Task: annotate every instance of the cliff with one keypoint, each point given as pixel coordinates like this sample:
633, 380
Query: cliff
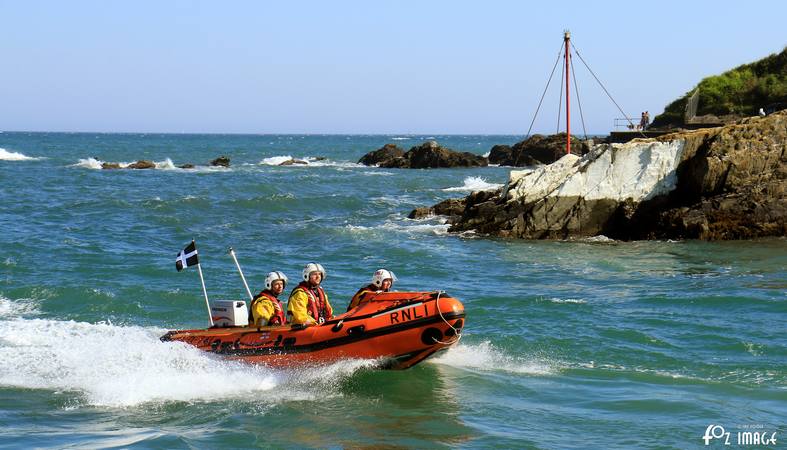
736, 93
720, 183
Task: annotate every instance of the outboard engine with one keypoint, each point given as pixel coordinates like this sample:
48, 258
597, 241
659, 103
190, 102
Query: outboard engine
229, 313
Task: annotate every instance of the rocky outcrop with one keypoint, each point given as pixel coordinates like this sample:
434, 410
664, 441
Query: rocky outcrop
292, 162
721, 183
452, 208
221, 161
500, 154
428, 155
535, 150
142, 164
383, 154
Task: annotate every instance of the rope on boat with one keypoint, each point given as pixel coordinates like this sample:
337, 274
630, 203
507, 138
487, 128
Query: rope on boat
457, 332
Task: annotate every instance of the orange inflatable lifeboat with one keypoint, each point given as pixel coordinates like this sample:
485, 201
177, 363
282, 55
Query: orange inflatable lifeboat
399, 329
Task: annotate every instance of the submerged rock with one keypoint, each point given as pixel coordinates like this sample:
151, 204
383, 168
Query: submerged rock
110, 165
186, 166
722, 183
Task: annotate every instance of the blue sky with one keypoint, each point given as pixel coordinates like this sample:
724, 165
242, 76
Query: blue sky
358, 66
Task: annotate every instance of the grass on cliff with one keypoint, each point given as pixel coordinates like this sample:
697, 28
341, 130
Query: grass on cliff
740, 91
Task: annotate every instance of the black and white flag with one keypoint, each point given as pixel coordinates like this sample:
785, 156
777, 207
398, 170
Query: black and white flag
187, 257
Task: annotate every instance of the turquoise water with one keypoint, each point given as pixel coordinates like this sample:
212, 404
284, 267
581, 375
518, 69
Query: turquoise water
588, 344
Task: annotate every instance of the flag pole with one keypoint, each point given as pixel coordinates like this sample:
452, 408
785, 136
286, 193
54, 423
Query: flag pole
205, 292
245, 284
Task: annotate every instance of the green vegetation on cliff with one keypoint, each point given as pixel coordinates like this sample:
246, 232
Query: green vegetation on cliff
741, 91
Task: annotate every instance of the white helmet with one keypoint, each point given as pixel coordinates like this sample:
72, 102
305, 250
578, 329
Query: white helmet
313, 267
273, 276
382, 274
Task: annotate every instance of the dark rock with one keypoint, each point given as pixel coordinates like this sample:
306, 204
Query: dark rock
142, 164
453, 208
385, 153
320, 158
421, 212
221, 161
540, 149
110, 165
431, 155
186, 166
500, 154
291, 162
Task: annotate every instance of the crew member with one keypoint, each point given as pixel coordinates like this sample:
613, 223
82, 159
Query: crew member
382, 280
266, 309
308, 301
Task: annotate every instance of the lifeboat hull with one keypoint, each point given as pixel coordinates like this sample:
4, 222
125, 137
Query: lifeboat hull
398, 329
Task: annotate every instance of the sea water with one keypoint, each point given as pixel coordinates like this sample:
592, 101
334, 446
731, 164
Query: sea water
590, 343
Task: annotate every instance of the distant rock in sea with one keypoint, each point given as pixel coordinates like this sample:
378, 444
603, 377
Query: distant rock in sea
720, 183
142, 164
293, 161
428, 155
386, 153
221, 161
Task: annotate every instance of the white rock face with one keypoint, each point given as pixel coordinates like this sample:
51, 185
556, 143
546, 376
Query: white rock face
634, 170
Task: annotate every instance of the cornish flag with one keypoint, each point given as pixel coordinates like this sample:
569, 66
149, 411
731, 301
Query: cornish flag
187, 257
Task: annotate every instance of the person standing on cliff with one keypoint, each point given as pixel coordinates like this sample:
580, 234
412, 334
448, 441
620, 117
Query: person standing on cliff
646, 119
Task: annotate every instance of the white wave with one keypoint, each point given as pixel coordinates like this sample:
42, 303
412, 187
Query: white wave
121, 366
275, 160
473, 184
167, 164
576, 301
5, 155
597, 239
400, 138
311, 161
486, 155
17, 308
89, 163
487, 357
408, 227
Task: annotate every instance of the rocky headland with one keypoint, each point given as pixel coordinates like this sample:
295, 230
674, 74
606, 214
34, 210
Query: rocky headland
716, 183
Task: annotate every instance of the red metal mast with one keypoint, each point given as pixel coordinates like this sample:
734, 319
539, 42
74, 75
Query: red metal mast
567, 38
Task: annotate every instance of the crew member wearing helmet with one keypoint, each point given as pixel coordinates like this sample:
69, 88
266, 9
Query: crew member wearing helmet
266, 309
308, 301
382, 280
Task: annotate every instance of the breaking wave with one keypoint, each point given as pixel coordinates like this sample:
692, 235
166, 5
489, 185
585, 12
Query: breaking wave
166, 164
472, 184
5, 155
308, 161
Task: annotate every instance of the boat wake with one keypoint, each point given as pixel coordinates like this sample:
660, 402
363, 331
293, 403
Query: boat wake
122, 366
488, 358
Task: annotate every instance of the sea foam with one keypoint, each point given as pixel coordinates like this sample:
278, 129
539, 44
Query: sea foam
486, 357
6, 155
472, 184
121, 366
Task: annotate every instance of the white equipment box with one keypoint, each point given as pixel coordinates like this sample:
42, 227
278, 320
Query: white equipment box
229, 313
